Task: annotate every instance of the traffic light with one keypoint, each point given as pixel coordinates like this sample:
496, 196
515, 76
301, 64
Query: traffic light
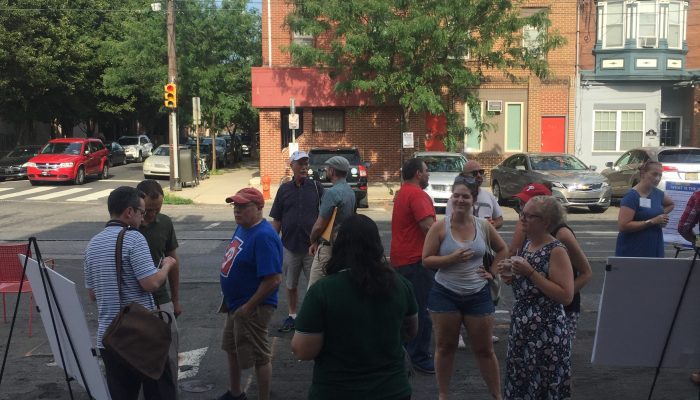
170, 95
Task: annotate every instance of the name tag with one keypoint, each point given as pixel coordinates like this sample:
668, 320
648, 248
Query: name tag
646, 203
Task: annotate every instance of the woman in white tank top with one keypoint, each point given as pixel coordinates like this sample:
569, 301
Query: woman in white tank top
460, 296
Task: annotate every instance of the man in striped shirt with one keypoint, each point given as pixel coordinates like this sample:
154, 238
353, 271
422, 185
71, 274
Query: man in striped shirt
139, 279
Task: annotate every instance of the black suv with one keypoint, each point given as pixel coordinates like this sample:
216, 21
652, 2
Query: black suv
357, 175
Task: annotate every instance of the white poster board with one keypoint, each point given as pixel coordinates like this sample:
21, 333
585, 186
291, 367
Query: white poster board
679, 192
75, 327
636, 309
408, 140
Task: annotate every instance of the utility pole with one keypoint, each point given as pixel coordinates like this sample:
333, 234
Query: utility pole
175, 184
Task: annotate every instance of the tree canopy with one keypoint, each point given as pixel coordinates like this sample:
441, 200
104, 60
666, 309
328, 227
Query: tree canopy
420, 55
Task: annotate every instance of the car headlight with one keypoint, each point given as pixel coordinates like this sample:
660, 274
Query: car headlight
65, 165
29, 164
559, 185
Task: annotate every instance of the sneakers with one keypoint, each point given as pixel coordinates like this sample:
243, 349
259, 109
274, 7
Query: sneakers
287, 325
425, 367
229, 396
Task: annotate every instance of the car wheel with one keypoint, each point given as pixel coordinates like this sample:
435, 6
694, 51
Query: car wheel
105, 172
35, 183
140, 157
2, 179
80, 176
496, 190
598, 209
124, 162
363, 202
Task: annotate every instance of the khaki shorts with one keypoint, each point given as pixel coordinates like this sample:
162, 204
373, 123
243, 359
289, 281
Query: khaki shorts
292, 266
246, 337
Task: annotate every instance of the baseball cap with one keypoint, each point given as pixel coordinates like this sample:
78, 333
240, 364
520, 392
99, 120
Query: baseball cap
298, 155
339, 163
531, 190
247, 195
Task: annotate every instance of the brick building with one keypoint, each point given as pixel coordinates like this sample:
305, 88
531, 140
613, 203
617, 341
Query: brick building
532, 116
640, 65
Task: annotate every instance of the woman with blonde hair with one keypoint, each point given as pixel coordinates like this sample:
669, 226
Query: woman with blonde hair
538, 364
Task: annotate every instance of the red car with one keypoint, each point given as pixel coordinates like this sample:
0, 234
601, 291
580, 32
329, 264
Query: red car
69, 159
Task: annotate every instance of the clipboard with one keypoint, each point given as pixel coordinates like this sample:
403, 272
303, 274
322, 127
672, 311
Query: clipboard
328, 232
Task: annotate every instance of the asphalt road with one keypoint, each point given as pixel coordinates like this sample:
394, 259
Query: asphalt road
64, 227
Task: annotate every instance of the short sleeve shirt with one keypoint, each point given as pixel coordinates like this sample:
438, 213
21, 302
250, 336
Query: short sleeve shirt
648, 242
411, 206
161, 238
253, 254
371, 363
296, 207
100, 270
340, 196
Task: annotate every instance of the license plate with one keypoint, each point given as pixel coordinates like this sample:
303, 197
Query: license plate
44, 173
691, 176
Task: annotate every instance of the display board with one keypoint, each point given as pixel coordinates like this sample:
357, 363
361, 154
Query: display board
636, 309
679, 192
74, 326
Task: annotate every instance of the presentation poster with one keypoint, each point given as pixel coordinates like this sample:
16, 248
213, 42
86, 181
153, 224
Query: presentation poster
679, 192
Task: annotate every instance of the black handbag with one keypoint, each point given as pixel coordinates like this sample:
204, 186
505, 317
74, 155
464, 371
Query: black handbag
138, 337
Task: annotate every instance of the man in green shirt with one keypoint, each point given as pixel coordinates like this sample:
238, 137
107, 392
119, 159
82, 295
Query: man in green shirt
159, 232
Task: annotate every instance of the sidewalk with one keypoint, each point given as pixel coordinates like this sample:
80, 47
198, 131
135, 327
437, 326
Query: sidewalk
217, 188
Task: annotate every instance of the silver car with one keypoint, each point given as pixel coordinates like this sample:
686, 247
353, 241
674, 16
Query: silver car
443, 168
573, 183
680, 164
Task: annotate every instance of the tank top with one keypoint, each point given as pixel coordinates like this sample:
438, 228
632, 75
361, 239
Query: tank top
462, 278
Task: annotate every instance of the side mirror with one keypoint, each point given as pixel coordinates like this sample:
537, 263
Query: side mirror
609, 164
592, 167
87, 152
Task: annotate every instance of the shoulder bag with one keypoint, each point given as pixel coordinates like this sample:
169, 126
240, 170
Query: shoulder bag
495, 283
140, 338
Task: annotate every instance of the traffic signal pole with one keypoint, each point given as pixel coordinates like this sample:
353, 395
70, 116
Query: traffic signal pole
175, 184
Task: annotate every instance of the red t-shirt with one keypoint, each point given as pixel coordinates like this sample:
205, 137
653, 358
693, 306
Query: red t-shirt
411, 205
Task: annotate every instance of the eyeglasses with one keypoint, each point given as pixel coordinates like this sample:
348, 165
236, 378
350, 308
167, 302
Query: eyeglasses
477, 172
524, 215
140, 210
240, 206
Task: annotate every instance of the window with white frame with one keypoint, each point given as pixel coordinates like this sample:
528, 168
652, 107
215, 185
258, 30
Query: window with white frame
618, 130
675, 18
531, 40
614, 33
329, 120
647, 33
649, 20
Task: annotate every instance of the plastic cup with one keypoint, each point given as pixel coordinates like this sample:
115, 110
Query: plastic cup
507, 268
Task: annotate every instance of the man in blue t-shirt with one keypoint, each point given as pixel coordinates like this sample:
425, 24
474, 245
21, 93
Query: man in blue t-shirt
251, 273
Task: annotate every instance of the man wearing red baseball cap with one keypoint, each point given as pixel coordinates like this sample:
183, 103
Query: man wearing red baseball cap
251, 273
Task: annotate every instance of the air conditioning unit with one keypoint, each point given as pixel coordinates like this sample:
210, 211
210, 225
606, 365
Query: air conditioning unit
494, 106
648, 42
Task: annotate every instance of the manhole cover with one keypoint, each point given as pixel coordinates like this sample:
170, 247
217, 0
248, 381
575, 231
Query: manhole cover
196, 386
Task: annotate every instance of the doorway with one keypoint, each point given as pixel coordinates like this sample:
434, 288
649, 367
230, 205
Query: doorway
553, 134
669, 131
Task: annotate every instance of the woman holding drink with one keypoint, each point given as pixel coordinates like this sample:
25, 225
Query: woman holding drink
460, 296
538, 364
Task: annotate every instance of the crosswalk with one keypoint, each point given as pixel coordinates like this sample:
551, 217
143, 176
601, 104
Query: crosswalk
55, 193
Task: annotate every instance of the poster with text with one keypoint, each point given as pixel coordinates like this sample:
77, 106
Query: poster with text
679, 192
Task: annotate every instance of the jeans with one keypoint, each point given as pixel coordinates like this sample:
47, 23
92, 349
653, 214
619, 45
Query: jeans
422, 279
124, 383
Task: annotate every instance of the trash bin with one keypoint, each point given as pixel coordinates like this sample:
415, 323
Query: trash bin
188, 172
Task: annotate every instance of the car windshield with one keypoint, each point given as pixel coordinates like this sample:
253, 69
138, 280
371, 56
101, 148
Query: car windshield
556, 163
128, 141
320, 158
62, 148
687, 156
444, 163
23, 152
162, 151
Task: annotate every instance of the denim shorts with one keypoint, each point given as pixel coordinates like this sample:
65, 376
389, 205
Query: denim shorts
443, 300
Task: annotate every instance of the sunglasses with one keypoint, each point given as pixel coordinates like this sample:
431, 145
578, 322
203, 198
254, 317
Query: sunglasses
477, 172
465, 180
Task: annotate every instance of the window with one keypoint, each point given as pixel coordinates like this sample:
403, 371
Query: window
303, 39
514, 126
618, 130
674, 25
647, 33
473, 140
329, 121
613, 34
531, 41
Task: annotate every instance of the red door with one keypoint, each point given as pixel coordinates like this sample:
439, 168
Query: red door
553, 134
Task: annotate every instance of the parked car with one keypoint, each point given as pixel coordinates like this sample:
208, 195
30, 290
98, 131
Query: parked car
357, 175
680, 164
236, 147
158, 164
223, 155
248, 143
117, 155
573, 182
14, 164
136, 147
69, 159
444, 168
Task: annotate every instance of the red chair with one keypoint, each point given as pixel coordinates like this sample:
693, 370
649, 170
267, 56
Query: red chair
11, 274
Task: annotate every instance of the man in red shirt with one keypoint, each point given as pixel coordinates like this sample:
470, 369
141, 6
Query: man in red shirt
412, 217
690, 218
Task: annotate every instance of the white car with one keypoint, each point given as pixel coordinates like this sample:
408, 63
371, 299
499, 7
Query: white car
136, 147
158, 164
444, 168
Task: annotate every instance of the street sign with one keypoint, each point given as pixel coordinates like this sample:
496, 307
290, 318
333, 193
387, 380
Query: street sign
293, 121
408, 140
196, 111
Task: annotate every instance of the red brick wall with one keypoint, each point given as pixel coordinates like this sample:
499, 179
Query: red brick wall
692, 59
695, 129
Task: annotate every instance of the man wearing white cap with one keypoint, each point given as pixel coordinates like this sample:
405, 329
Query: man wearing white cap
293, 213
339, 197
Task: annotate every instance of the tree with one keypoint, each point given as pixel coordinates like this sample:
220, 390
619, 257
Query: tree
420, 55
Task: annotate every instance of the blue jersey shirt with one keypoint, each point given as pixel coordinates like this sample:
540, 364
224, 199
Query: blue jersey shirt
253, 254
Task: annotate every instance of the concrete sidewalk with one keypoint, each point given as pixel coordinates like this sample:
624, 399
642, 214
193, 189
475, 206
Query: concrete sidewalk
228, 181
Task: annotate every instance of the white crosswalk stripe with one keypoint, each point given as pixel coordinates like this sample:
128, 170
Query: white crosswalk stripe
92, 196
62, 193
25, 192
4, 189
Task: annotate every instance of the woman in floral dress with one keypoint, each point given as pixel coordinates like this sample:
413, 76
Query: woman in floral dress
538, 365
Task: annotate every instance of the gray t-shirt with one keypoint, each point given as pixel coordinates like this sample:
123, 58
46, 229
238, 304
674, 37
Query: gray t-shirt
342, 197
